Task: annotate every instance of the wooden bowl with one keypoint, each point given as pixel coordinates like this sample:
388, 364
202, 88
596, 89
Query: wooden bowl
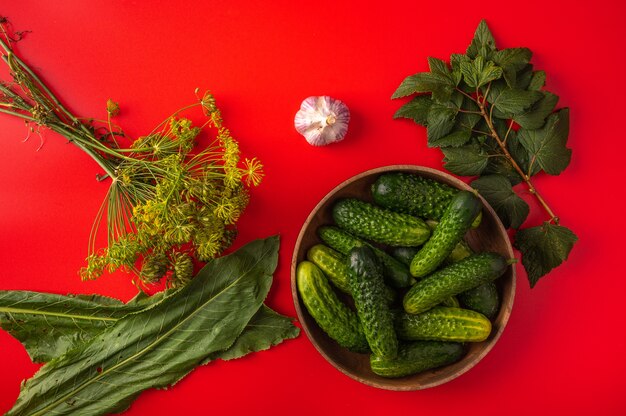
489, 236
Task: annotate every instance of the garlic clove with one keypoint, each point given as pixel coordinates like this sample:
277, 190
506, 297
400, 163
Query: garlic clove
322, 120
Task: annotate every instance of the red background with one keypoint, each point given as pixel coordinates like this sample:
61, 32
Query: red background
563, 350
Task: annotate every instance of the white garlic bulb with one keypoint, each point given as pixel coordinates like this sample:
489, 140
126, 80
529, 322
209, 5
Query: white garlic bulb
322, 120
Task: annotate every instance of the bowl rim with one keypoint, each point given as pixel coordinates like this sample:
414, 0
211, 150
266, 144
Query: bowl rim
458, 184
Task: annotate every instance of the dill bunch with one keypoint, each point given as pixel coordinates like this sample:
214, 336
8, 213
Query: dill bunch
168, 202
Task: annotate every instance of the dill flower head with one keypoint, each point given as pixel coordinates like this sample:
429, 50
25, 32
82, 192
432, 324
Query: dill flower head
154, 267
168, 204
113, 108
183, 269
252, 171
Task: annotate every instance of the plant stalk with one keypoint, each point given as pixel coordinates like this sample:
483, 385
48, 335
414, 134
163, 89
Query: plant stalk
94, 155
525, 177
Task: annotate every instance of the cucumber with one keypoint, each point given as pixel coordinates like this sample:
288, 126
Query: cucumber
334, 317
404, 254
334, 266
382, 226
484, 299
338, 239
412, 194
449, 232
459, 252
366, 284
443, 324
395, 273
416, 357
477, 220
467, 274
415, 195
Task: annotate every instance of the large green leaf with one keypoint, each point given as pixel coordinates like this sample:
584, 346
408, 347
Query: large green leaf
535, 116
512, 60
524, 77
158, 346
412, 84
266, 329
440, 122
457, 137
544, 248
483, 43
497, 190
547, 146
48, 324
466, 160
438, 66
537, 81
510, 101
479, 72
440, 72
521, 155
416, 109
440, 85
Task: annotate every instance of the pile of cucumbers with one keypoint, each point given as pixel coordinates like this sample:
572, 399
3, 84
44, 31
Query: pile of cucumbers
395, 279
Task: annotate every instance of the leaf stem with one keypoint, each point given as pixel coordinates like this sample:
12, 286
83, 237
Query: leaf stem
525, 177
465, 94
486, 93
506, 136
484, 133
460, 110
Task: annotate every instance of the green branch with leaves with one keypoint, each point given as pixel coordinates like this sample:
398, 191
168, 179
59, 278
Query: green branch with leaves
488, 112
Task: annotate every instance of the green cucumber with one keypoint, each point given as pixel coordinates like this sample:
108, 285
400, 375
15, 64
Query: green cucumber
469, 273
404, 254
334, 317
416, 357
376, 224
395, 273
484, 299
477, 220
449, 232
415, 195
338, 239
443, 324
334, 266
412, 194
366, 284
459, 252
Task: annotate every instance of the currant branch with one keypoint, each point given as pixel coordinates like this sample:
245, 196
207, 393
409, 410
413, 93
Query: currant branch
486, 113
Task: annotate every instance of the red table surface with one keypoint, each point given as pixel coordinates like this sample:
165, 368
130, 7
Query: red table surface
563, 349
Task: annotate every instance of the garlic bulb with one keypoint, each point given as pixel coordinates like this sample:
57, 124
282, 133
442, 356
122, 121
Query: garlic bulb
322, 120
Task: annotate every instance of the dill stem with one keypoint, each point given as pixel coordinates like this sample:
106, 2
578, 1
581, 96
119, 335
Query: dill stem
79, 141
